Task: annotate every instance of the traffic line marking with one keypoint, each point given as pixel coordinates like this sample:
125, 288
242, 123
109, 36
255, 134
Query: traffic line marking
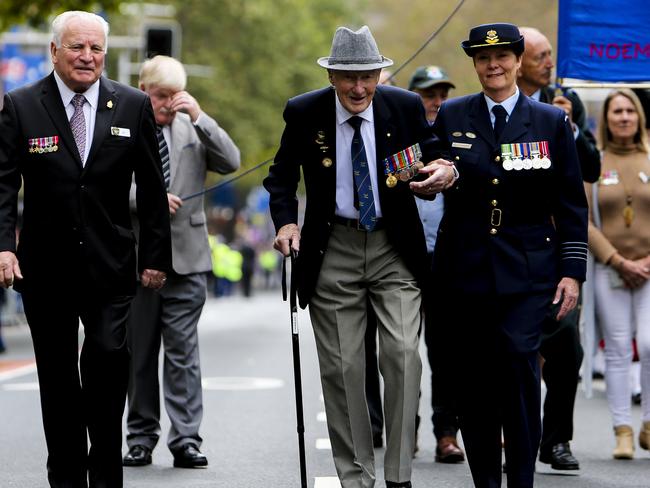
323, 443
14, 369
327, 482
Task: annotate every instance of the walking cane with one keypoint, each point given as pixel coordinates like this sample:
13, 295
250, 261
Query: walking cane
296, 361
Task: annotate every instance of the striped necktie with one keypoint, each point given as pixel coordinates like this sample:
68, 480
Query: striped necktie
164, 155
362, 183
78, 124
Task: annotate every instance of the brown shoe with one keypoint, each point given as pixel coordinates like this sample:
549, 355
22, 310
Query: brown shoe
447, 451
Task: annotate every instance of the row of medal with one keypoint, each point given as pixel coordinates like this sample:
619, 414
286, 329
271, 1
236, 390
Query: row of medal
525, 155
42, 145
403, 165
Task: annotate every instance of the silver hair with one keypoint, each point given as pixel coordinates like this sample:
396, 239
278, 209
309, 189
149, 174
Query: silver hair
60, 22
164, 72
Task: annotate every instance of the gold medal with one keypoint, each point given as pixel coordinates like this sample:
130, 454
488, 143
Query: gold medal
391, 181
327, 162
403, 175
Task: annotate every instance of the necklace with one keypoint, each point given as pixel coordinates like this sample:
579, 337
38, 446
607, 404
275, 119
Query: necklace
628, 211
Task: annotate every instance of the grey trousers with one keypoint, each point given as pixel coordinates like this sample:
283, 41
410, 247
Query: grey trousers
359, 266
171, 314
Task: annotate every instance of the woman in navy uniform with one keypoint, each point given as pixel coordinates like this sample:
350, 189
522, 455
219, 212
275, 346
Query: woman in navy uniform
511, 245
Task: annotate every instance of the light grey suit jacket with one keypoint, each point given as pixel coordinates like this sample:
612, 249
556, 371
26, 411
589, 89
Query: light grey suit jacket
195, 150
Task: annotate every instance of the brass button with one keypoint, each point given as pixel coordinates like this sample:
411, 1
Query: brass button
494, 203
548, 239
493, 231
497, 159
495, 181
457, 158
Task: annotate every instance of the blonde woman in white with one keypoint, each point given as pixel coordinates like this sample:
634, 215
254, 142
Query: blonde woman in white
619, 238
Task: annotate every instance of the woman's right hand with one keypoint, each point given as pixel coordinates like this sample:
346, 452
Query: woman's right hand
634, 273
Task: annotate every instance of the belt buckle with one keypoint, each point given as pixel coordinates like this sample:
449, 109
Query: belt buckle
495, 217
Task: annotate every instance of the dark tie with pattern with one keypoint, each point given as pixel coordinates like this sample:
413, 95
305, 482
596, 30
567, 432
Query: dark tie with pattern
164, 155
362, 184
500, 115
78, 124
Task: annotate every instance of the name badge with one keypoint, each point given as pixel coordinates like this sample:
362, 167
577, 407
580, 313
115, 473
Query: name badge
461, 145
121, 131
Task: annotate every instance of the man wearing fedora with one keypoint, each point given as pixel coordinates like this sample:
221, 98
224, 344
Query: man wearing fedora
362, 241
511, 249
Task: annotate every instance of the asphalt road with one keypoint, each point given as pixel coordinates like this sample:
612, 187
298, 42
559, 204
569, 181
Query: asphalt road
249, 425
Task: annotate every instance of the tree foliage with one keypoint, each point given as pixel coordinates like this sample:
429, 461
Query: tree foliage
37, 12
263, 52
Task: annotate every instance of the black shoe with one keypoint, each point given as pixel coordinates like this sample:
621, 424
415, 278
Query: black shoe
138, 455
189, 456
560, 457
403, 484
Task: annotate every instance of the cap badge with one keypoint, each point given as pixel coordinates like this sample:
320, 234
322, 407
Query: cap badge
491, 37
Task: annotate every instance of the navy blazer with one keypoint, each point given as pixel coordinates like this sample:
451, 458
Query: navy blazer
509, 232
76, 218
399, 122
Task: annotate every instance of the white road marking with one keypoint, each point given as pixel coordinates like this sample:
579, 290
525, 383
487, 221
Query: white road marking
237, 383
21, 387
17, 372
323, 443
327, 482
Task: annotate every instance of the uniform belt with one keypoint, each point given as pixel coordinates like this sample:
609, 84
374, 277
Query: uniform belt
355, 224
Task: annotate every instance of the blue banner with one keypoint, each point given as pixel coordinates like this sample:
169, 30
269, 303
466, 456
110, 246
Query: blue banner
604, 40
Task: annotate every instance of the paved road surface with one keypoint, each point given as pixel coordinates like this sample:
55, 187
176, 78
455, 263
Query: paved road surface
249, 422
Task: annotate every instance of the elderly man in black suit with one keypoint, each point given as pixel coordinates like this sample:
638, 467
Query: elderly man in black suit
76, 139
512, 243
361, 240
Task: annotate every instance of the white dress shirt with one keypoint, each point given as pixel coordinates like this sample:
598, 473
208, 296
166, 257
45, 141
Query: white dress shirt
509, 104
344, 176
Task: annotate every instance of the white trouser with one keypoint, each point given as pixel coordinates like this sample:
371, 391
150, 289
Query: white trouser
622, 312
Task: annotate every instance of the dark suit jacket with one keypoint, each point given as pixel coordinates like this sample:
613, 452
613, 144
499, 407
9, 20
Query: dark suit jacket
588, 153
76, 220
399, 122
542, 232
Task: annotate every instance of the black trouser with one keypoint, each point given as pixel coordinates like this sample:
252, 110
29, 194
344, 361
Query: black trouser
442, 352
498, 381
562, 353
92, 407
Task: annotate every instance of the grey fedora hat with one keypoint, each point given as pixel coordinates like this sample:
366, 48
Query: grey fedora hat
354, 51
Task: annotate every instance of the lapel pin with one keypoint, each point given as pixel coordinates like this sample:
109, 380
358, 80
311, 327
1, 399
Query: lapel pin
456, 134
471, 135
109, 104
